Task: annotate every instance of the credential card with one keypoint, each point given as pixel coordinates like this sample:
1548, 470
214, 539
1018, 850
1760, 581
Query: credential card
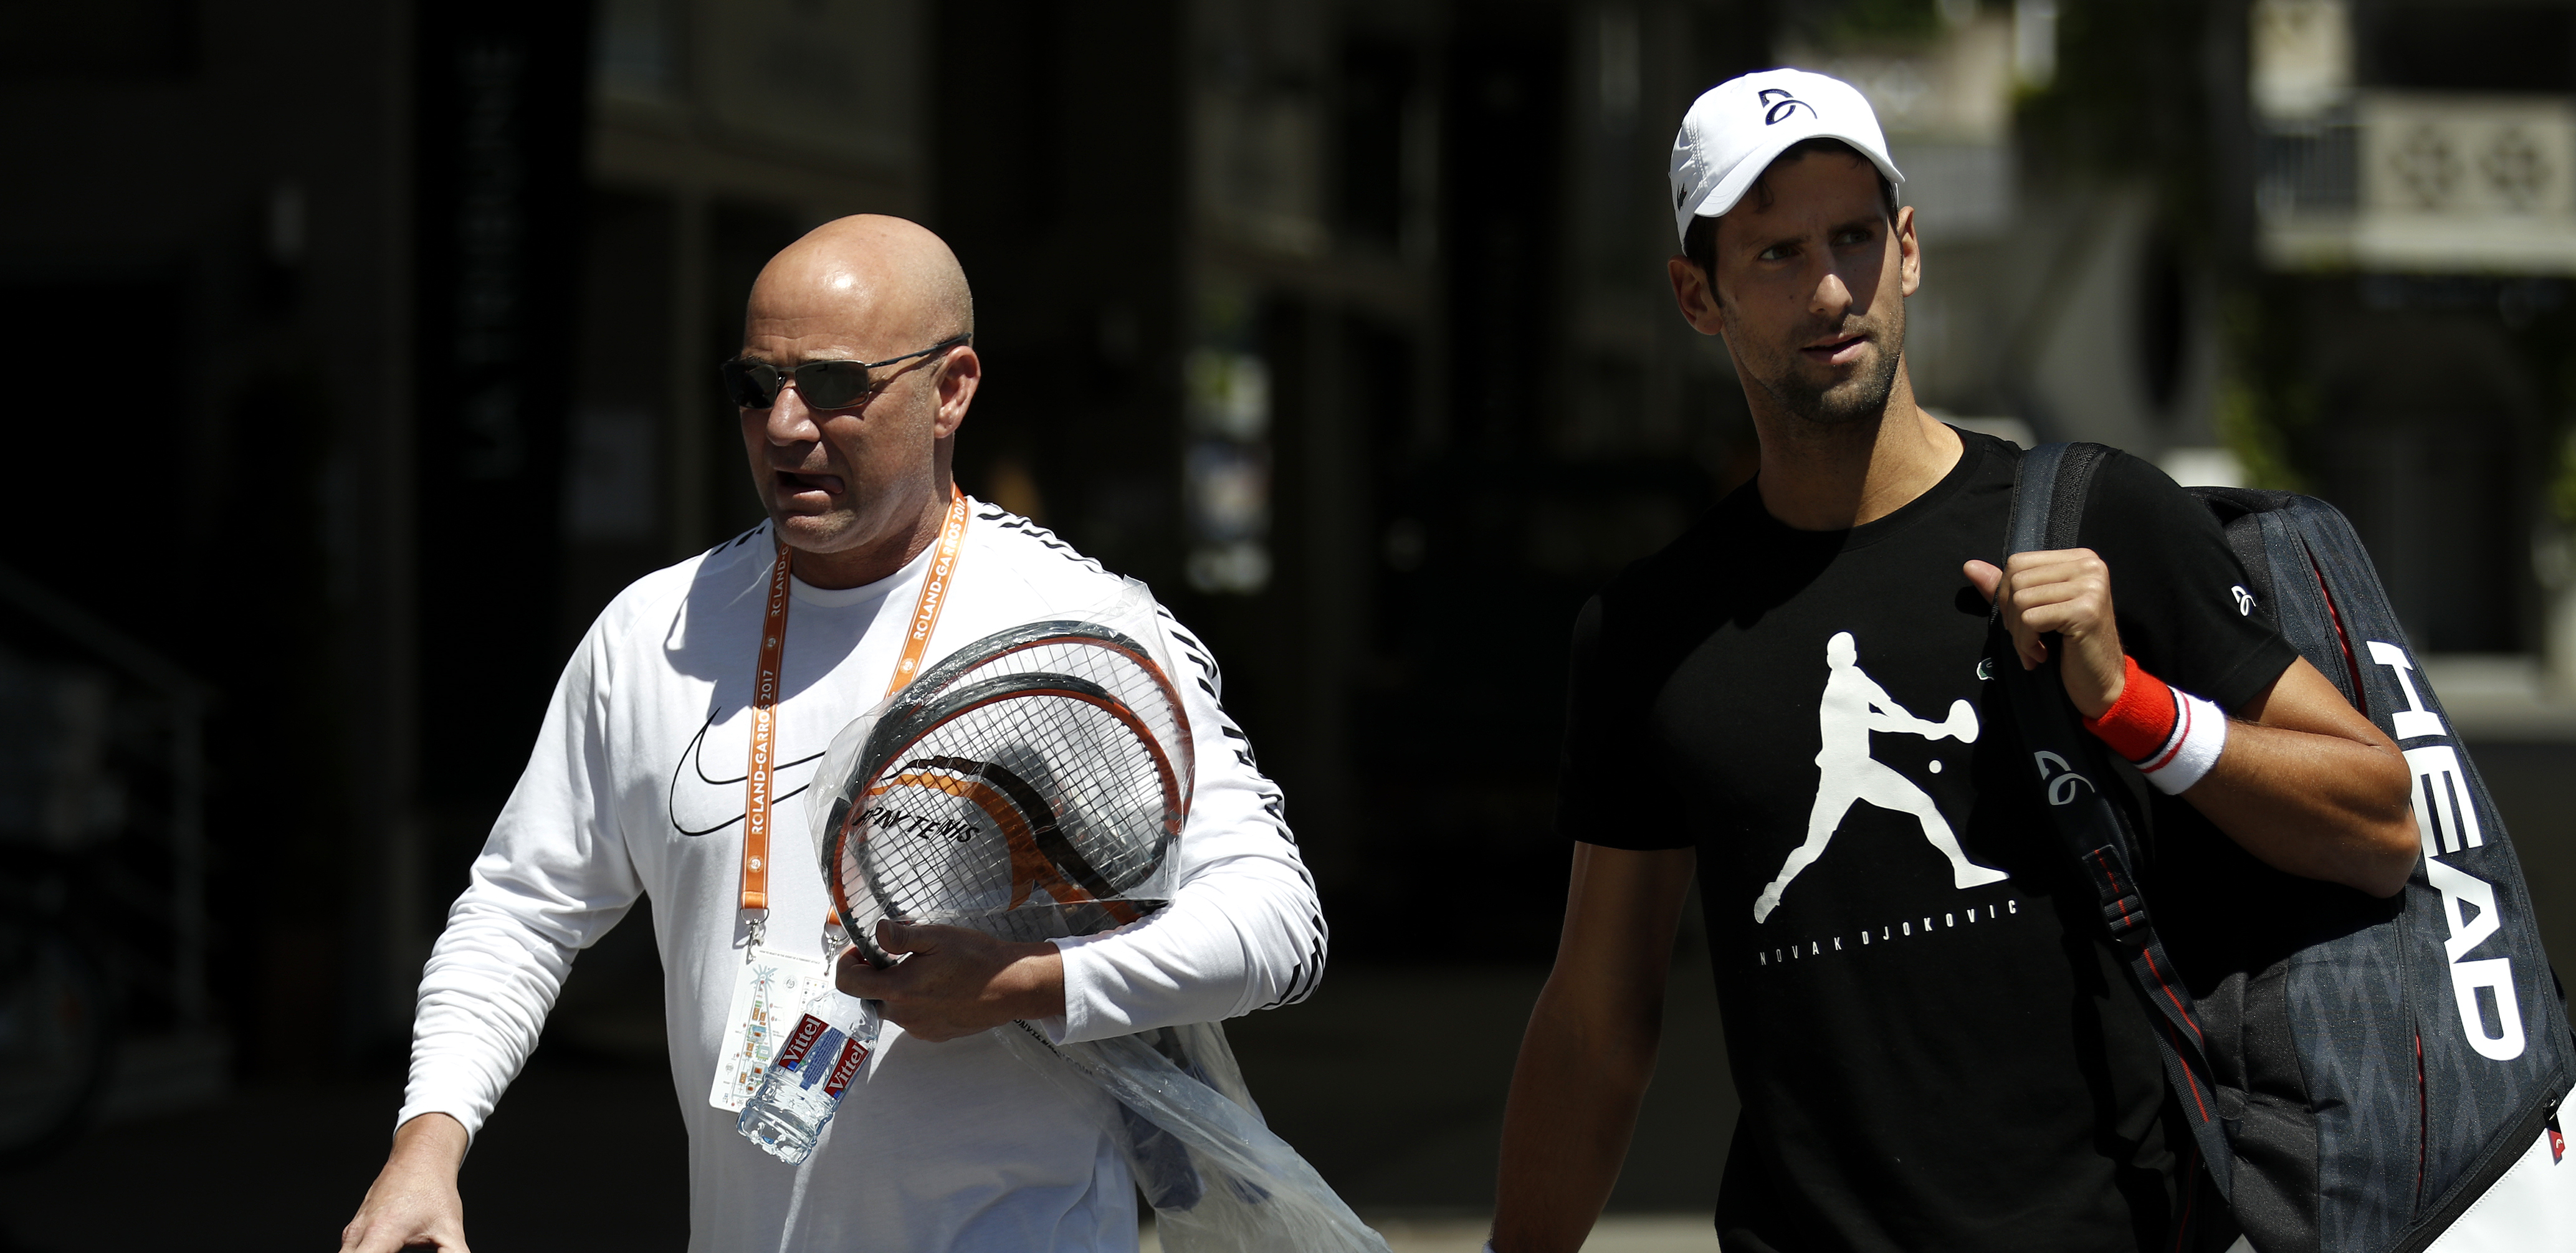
769, 995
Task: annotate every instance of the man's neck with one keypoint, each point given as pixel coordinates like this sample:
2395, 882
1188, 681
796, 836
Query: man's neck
868, 562
1830, 478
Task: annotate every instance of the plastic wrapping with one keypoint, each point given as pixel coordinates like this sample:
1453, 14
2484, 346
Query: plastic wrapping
1033, 785
1219, 1180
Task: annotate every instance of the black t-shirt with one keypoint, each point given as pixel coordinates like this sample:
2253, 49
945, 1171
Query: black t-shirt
1935, 1047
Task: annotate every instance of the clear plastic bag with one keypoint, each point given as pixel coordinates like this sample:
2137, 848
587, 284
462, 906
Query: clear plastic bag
1219, 1179
1114, 649
1172, 1099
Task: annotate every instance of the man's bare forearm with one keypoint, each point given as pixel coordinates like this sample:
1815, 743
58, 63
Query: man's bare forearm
1590, 1048
2310, 787
1573, 1107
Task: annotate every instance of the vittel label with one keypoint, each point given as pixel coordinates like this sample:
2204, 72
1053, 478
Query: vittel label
801, 1041
845, 1067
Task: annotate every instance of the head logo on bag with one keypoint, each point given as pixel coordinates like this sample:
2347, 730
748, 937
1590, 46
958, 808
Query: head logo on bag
2446, 817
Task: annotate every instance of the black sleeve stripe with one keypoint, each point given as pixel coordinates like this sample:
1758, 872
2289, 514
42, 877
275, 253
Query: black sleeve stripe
1273, 806
1302, 978
1008, 521
1296, 977
1306, 975
1313, 974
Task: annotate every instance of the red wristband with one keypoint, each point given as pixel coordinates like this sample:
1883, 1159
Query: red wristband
2140, 724
2170, 735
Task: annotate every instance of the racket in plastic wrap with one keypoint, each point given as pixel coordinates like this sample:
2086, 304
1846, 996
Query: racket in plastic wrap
1026, 805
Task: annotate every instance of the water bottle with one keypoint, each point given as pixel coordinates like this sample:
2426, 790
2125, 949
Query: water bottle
826, 1052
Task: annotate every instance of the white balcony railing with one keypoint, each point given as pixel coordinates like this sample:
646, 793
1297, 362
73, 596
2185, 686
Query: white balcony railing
2424, 182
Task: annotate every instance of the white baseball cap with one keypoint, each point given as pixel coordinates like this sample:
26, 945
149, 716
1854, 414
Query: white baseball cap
1734, 131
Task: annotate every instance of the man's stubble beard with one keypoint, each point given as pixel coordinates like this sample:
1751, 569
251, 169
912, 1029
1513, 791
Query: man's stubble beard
1838, 407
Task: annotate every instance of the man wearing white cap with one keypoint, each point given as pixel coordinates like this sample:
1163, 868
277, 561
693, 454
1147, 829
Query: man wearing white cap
1935, 1045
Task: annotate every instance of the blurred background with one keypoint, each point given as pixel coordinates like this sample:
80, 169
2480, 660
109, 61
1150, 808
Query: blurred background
385, 337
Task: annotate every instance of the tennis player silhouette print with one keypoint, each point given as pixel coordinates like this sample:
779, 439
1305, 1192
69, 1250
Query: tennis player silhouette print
1853, 706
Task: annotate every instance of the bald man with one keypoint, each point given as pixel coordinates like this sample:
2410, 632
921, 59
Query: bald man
856, 372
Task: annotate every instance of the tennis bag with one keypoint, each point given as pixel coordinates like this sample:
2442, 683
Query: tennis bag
2392, 1084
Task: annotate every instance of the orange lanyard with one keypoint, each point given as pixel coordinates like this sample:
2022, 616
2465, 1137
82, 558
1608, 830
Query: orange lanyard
764, 690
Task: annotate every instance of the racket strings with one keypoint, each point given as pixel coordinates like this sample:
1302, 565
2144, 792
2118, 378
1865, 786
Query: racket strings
1019, 816
1136, 683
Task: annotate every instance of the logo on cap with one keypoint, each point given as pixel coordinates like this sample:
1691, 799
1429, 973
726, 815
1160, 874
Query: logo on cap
1787, 104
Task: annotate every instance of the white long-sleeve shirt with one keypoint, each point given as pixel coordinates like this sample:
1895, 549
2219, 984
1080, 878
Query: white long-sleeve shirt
636, 786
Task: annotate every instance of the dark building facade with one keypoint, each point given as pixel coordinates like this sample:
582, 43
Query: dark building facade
367, 351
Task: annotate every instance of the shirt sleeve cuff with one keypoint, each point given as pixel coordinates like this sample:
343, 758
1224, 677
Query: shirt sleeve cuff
1111, 988
1077, 988
462, 1111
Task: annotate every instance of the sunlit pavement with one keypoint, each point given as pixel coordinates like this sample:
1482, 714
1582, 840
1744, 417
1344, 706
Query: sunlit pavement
1617, 1233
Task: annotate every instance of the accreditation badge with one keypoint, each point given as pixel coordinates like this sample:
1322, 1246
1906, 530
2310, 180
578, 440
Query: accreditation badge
770, 993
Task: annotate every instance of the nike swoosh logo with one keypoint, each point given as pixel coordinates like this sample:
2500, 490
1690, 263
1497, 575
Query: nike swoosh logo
709, 796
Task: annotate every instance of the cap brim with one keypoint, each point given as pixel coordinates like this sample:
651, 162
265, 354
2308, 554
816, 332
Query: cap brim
1749, 171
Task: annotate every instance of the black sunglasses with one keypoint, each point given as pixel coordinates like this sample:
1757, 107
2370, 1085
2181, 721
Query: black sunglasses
821, 384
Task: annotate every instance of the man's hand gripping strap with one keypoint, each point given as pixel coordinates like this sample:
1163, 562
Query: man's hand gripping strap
2048, 503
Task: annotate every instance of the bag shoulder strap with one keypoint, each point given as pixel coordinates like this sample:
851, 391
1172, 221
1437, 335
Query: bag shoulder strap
2049, 491
2049, 494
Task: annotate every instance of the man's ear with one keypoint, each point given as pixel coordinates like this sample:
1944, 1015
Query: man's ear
960, 373
1909, 252
1696, 298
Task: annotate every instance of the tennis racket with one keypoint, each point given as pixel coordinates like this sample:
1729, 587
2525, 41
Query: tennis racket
1086, 650
1031, 786
1034, 785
